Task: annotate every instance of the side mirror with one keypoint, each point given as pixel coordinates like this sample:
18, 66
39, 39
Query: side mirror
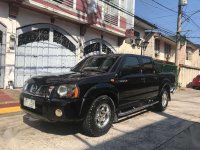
122, 72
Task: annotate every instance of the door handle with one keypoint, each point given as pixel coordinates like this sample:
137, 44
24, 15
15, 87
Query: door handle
122, 81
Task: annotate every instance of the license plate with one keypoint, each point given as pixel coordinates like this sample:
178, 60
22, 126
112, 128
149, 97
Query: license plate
29, 103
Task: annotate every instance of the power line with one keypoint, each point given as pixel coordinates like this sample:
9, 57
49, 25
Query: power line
160, 17
187, 18
164, 6
150, 4
195, 23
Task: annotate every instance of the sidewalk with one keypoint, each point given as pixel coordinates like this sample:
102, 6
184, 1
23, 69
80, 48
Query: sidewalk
9, 101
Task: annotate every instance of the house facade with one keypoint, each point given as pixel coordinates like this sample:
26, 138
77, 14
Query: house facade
51, 36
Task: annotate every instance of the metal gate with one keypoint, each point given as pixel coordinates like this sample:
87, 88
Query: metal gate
2, 54
43, 49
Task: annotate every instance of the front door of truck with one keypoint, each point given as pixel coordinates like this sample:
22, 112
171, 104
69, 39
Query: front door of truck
130, 82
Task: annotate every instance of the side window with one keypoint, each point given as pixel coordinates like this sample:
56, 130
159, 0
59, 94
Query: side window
147, 66
131, 65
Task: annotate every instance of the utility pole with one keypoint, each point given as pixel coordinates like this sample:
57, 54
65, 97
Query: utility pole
178, 34
179, 29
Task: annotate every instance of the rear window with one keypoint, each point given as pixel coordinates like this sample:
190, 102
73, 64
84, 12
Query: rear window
198, 76
130, 66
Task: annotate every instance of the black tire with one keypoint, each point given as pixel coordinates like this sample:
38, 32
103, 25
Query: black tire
91, 126
161, 105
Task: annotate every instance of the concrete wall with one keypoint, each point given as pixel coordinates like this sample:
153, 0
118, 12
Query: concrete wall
128, 48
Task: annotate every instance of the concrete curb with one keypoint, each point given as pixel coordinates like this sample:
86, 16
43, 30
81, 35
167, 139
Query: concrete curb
10, 110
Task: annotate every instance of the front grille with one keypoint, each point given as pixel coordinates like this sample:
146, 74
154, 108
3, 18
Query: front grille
39, 90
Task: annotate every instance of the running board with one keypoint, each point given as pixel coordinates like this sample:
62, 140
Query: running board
121, 114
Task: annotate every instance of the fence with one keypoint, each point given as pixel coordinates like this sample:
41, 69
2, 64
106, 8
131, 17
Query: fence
187, 74
162, 67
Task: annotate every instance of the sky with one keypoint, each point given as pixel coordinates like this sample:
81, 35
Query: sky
156, 14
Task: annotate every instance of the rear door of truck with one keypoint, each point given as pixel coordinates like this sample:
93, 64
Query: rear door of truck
150, 76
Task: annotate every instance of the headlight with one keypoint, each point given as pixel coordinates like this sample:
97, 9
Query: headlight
68, 90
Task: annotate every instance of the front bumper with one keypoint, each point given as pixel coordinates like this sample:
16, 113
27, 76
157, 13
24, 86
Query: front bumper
45, 108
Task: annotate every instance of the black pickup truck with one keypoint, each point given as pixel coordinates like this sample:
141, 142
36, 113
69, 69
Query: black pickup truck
98, 91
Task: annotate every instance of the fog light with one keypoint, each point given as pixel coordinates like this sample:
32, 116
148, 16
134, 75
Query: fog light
58, 112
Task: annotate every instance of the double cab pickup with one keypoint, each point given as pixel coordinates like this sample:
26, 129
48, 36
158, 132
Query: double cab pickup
98, 91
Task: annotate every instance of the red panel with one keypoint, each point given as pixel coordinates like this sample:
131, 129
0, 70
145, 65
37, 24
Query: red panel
81, 5
122, 22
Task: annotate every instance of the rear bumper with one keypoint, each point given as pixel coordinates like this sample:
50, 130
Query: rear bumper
45, 108
196, 84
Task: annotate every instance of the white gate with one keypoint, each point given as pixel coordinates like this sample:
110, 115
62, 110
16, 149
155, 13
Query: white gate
43, 49
2, 54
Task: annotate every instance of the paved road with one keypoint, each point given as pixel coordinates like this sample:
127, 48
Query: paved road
176, 128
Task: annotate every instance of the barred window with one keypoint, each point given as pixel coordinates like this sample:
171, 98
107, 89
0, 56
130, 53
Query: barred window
59, 1
68, 3
64, 41
106, 49
157, 45
167, 48
92, 48
33, 36
188, 54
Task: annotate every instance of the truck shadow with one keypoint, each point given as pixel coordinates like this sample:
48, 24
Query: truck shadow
58, 128
170, 132
61, 128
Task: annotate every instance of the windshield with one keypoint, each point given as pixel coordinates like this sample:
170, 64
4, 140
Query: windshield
95, 63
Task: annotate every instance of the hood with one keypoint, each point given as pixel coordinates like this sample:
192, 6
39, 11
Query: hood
55, 79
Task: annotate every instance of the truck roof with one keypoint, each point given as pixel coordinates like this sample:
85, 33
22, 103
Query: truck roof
123, 55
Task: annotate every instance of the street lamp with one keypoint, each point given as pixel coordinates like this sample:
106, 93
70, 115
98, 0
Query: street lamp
142, 45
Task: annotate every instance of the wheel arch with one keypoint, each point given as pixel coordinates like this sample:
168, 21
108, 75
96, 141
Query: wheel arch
95, 92
166, 86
